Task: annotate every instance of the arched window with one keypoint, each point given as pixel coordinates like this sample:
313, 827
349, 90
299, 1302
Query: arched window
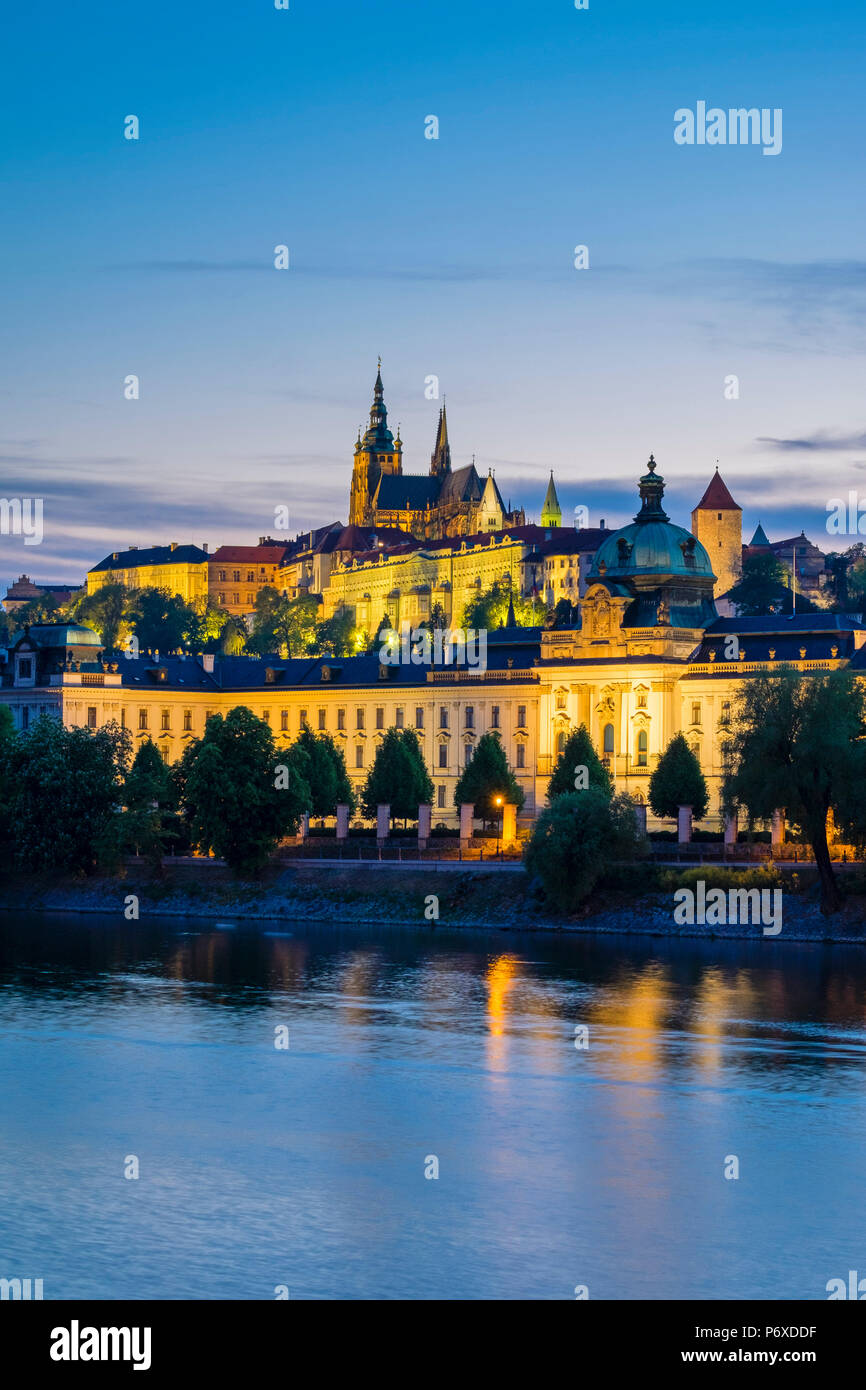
607, 744
560, 741
642, 745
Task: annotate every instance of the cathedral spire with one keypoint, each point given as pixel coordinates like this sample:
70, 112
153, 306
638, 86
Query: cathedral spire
440, 459
551, 512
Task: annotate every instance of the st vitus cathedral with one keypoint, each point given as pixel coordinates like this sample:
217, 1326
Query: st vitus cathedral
431, 506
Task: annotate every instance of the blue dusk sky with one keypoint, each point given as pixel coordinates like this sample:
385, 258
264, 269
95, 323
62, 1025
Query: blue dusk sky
450, 257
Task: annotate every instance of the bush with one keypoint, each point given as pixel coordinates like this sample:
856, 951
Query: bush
576, 839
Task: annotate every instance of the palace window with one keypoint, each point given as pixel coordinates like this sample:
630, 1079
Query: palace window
123, 718
470, 716
251, 576
222, 576
187, 721
359, 717
142, 718
91, 716
560, 741
165, 722
440, 797
266, 716
641, 700
494, 717
642, 746
221, 598
380, 717
607, 740
284, 720
236, 598
521, 755
236, 576
419, 718
443, 755
443, 717
696, 712
322, 718
726, 712
303, 721
359, 755
166, 753
398, 719
521, 716
560, 699
341, 719
25, 716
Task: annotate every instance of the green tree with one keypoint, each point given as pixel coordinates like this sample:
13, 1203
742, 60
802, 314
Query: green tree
796, 743
486, 777
678, 781
8, 741
489, 610
240, 795
338, 636
398, 777
322, 766
149, 798
578, 753
233, 638
66, 790
161, 620
576, 839
106, 611
763, 589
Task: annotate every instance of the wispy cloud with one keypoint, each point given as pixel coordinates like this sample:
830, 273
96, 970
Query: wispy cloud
821, 441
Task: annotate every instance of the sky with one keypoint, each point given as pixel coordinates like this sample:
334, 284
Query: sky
449, 257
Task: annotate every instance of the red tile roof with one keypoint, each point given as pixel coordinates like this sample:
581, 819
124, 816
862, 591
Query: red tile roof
717, 497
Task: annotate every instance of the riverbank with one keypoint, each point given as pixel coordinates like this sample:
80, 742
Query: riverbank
370, 895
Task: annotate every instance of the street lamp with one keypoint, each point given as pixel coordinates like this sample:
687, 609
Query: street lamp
498, 802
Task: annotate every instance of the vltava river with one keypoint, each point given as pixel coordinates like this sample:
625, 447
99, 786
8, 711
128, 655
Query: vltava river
304, 1167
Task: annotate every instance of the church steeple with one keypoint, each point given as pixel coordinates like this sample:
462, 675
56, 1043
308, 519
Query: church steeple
440, 459
551, 512
377, 453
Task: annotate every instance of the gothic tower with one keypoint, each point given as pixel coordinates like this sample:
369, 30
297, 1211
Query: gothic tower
377, 453
551, 512
440, 459
717, 522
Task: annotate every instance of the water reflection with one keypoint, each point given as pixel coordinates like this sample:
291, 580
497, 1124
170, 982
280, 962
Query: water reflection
558, 1165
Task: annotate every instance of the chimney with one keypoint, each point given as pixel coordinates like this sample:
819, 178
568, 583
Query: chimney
204, 547
207, 662
173, 545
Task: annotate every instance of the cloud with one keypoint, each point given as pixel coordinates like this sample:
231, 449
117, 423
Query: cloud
820, 441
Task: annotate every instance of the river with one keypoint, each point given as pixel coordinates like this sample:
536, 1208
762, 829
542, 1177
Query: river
268, 1169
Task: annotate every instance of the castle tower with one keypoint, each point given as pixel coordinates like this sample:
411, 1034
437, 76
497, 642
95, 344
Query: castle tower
440, 459
377, 453
551, 512
717, 522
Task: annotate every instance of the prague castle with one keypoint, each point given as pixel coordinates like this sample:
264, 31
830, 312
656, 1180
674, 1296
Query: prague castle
443, 502
640, 654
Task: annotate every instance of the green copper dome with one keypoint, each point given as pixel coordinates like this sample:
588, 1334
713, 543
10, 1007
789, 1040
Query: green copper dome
651, 545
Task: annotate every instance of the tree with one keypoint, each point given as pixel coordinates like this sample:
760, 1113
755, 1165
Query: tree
240, 795
678, 781
161, 620
149, 798
796, 743
233, 638
486, 777
281, 624
398, 777
105, 610
489, 610
8, 741
576, 839
763, 589
66, 788
322, 766
578, 753
338, 636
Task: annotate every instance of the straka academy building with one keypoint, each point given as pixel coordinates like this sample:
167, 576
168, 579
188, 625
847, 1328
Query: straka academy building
648, 657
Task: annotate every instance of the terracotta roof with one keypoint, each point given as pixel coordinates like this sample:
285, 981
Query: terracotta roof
717, 497
249, 554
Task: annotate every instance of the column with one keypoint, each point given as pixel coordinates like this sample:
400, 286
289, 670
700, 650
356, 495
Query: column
383, 823
467, 816
342, 823
684, 825
425, 816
